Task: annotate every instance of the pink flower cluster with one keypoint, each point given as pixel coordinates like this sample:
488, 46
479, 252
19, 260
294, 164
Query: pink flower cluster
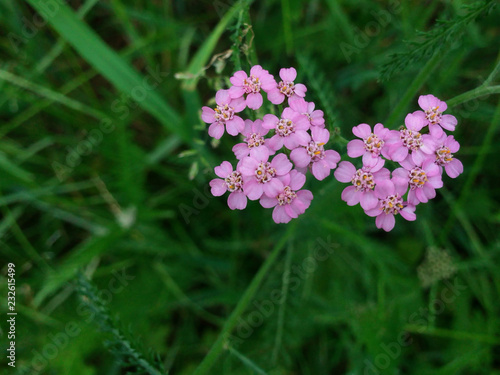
264, 172
422, 159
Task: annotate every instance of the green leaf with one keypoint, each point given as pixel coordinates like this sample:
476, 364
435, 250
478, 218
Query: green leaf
90, 46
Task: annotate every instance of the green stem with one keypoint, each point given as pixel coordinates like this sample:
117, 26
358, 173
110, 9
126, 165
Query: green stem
473, 94
473, 173
49, 94
281, 312
287, 27
242, 305
412, 90
492, 75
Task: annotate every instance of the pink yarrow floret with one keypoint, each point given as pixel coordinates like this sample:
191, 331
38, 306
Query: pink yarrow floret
409, 143
314, 155
315, 117
371, 144
286, 87
290, 202
253, 135
446, 147
432, 115
224, 115
423, 180
290, 130
259, 79
363, 182
261, 176
231, 181
390, 203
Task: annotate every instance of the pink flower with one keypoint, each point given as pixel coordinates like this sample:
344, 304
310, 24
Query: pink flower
372, 143
286, 87
389, 194
232, 181
254, 137
408, 141
224, 115
315, 117
259, 79
423, 180
290, 202
433, 115
261, 176
290, 130
363, 182
315, 156
446, 146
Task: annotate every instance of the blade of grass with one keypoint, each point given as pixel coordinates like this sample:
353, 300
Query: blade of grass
49, 94
246, 361
242, 305
106, 61
281, 312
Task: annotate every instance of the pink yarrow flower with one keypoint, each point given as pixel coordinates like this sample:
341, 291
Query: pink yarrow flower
363, 182
286, 87
290, 130
224, 115
390, 203
261, 176
371, 144
315, 117
254, 135
423, 180
314, 155
290, 202
259, 79
231, 181
408, 142
446, 147
432, 115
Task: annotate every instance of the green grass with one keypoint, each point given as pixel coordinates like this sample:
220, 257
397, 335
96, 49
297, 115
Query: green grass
126, 263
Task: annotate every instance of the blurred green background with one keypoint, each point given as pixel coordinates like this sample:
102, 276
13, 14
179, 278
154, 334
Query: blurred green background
125, 263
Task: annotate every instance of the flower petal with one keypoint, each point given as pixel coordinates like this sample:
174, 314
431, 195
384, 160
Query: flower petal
280, 216
254, 100
216, 130
300, 157
362, 131
385, 221
237, 200
355, 148
345, 171
281, 164
218, 187
368, 200
288, 75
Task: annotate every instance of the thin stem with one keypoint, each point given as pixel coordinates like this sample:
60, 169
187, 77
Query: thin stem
246, 361
281, 312
492, 75
412, 90
242, 305
473, 94
287, 27
49, 94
